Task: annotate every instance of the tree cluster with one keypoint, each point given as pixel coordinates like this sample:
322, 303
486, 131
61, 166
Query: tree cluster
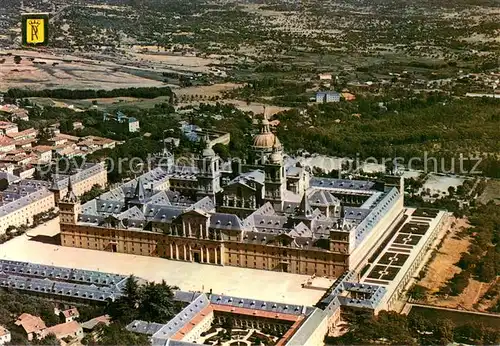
391, 328
150, 302
434, 124
69, 94
482, 260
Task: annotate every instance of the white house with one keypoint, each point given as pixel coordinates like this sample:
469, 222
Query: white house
4, 336
327, 96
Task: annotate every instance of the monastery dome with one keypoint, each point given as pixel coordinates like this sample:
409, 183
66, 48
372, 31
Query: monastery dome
265, 140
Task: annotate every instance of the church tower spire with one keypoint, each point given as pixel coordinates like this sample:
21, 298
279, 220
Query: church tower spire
70, 195
69, 206
209, 173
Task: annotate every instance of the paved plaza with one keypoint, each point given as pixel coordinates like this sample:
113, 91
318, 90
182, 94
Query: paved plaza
249, 283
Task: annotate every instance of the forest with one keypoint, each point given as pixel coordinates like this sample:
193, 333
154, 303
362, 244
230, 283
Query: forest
391, 328
438, 125
146, 93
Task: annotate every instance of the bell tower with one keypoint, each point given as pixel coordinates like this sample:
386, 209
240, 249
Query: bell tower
209, 174
69, 206
275, 178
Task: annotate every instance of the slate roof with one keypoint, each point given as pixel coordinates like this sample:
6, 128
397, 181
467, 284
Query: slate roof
76, 283
20, 195
11, 178
307, 328
322, 198
256, 176
260, 305
187, 314
133, 213
341, 184
91, 324
142, 327
60, 181
226, 221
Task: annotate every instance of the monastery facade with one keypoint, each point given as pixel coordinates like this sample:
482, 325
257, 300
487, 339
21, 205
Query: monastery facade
271, 214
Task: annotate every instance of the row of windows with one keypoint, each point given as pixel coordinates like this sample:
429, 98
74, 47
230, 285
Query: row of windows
94, 245
316, 269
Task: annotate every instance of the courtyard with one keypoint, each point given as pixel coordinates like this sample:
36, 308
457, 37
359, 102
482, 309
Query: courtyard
35, 246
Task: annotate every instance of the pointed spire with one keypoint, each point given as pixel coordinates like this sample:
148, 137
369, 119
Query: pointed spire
54, 182
70, 195
305, 208
70, 186
139, 190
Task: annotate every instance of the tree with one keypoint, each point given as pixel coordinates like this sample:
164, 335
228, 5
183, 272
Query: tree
228, 323
47, 314
94, 192
222, 150
43, 135
444, 331
49, 340
115, 334
4, 184
131, 292
157, 303
124, 309
418, 292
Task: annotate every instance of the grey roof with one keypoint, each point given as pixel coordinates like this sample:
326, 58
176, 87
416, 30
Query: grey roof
60, 181
226, 221
266, 222
90, 324
67, 282
341, 183
385, 202
142, 327
206, 204
105, 207
301, 230
20, 195
356, 213
167, 214
186, 297
256, 176
322, 198
307, 328
294, 171
187, 314
133, 213
11, 178
373, 295
258, 305
323, 226
327, 92
160, 198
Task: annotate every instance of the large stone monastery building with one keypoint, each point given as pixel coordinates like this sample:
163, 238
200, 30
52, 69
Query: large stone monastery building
270, 214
